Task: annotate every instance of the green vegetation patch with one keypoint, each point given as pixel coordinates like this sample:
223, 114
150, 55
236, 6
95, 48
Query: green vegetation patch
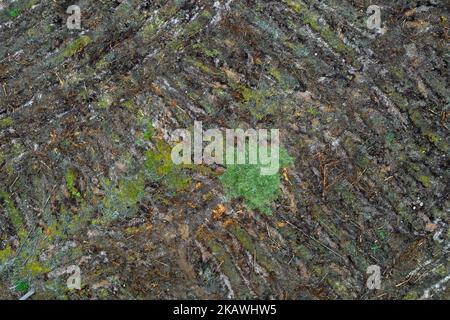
6, 122
71, 177
76, 46
160, 167
121, 198
13, 214
14, 13
258, 191
22, 286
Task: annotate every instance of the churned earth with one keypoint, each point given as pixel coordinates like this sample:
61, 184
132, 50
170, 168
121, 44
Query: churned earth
86, 177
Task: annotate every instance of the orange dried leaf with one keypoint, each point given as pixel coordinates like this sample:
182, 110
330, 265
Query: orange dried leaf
218, 211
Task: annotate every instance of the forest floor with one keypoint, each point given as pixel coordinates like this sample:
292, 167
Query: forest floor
86, 178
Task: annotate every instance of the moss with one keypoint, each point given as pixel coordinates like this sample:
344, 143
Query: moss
259, 102
420, 122
71, 177
149, 132
55, 231
389, 139
325, 32
131, 191
206, 14
441, 271
22, 286
192, 28
76, 46
438, 85
243, 237
432, 137
6, 254
374, 248
424, 180
303, 252
344, 190
398, 72
210, 53
35, 268
274, 72
381, 234
318, 271
202, 67
17, 149
338, 288
412, 295
356, 256
403, 212
175, 45
299, 50
150, 29
195, 26
6, 122
226, 262
398, 99
14, 13
22, 233
129, 105
134, 230
13, 214
294, 5
105, 102
102, 64
33, 32
362, 160
313, 111
258, 191
159, 166
121, 198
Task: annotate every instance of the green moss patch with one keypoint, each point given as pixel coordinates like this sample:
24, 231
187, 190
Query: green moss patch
76, 46
13, 214
71, 177
246, 182
160, 167
6, 122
